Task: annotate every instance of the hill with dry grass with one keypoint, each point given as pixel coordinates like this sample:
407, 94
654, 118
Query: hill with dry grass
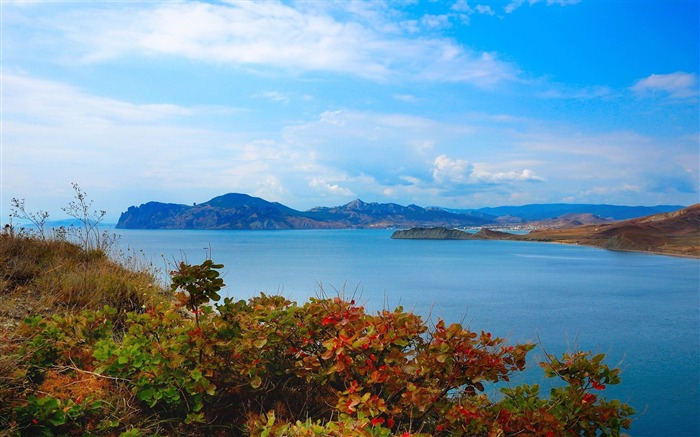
674, 233
54, 276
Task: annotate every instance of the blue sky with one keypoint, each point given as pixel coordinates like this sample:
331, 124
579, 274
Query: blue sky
459, 104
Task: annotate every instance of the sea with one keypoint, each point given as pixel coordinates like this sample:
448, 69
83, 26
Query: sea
641, 310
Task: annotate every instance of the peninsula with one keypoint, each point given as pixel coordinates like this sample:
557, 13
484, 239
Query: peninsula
674, 233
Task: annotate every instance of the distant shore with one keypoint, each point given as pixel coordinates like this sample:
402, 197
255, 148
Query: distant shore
675, 234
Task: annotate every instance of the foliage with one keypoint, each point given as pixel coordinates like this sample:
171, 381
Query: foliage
272, 367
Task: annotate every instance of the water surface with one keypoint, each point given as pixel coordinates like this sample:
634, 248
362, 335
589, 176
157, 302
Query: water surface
641, 310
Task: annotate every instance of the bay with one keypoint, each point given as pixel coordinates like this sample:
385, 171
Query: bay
641, 310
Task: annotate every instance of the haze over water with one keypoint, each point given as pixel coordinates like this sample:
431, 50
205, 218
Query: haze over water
641, 310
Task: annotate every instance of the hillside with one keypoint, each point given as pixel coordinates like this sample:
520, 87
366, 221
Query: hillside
676, 233
673, 233
241, 211
535, 212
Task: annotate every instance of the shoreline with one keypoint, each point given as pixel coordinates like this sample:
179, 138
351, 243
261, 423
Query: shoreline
650, 252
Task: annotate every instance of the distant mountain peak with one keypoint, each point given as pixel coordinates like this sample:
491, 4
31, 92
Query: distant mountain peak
355, 204
234, 199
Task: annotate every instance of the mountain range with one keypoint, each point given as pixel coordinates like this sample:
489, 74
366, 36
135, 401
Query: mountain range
241, 211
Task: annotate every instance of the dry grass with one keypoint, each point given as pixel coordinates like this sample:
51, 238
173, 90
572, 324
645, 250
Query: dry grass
51, 276
54, 276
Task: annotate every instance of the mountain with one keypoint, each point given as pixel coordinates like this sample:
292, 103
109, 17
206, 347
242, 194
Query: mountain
526, 213
230, 211
568, 221
365, 215
673, 233
676, 232
241, 211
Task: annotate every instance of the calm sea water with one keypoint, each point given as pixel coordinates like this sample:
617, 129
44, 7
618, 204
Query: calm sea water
641, 310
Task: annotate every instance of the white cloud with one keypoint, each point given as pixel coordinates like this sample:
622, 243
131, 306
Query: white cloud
451, 170
678, 85
510, 7
62, 103
484, 9
277, 35
384, 146
270, 188
408, 98
276, 96
329, 188
515, 4
458, 171
461, 6
608, 190
54, 134
436, 21
482, 176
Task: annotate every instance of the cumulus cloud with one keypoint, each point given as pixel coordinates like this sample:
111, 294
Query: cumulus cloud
678, 85
451, 170
385, 146
458, 171
325, 187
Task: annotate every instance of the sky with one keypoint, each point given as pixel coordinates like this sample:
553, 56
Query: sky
457, 104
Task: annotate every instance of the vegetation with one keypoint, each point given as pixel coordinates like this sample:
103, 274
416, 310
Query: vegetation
103, 350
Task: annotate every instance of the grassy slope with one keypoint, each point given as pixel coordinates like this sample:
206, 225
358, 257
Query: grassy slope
674, 233
53, 277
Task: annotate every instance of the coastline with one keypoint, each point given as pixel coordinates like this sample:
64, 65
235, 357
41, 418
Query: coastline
649, 252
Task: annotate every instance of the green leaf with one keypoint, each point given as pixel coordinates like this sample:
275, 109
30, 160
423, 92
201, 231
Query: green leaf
211, 390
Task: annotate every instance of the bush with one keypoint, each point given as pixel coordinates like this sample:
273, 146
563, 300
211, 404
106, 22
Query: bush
269, 366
